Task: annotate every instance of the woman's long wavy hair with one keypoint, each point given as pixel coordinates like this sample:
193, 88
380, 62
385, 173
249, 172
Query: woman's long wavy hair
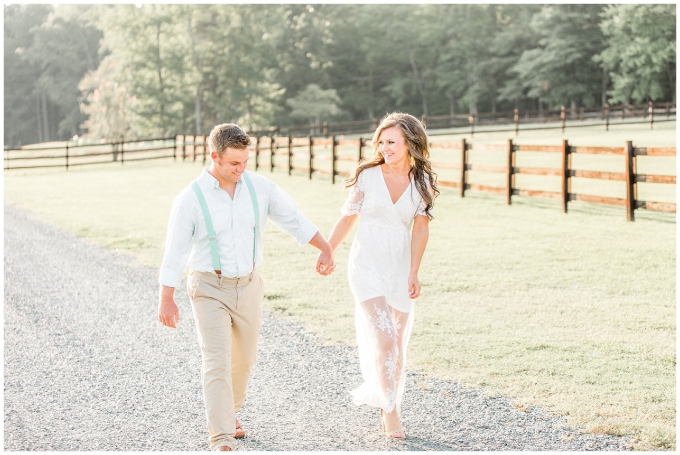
418, 151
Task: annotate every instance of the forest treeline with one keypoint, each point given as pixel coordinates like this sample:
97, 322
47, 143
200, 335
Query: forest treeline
126, 71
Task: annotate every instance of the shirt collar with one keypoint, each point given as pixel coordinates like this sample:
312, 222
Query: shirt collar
212, 181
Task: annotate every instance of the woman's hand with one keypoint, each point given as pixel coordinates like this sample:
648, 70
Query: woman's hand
413, 286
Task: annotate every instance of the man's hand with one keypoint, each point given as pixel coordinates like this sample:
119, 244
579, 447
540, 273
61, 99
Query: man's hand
168, 313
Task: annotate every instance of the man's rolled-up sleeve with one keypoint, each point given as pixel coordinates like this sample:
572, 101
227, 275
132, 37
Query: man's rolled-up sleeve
285, 215
178, 244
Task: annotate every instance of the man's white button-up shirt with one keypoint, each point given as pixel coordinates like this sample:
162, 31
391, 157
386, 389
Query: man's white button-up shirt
233, 221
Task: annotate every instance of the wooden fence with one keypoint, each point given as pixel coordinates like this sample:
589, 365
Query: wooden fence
335, 157
282, 152
565, 172
70, 155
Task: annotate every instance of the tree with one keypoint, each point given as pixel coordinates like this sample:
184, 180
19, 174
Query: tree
151, 49
560, 70
640, 53
64, 48
312, 103
24, 110
108, 105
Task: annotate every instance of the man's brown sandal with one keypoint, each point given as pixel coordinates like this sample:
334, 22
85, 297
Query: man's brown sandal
240, 432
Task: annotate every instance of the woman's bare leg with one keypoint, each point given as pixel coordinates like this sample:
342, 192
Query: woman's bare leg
389, 327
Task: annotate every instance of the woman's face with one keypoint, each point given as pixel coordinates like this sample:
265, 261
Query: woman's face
392, 146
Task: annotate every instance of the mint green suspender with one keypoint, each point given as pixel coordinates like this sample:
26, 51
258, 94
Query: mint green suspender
212, 240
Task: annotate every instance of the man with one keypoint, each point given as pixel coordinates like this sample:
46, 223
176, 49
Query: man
215, 226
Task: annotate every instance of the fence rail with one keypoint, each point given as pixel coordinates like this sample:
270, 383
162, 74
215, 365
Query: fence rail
334, 157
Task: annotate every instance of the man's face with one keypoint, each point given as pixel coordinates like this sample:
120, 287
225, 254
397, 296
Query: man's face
231, 164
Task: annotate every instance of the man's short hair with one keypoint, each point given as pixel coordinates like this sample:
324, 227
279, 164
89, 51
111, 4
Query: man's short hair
227, 135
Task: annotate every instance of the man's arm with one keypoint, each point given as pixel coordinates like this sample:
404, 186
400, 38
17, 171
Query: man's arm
168, 313
283, 212
177, 250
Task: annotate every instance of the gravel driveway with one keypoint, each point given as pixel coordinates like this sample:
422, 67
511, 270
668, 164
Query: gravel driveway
88, 367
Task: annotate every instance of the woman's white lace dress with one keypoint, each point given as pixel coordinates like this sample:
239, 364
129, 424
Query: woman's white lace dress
379, 265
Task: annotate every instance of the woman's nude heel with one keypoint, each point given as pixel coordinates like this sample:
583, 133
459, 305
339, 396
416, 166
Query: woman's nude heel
397, 433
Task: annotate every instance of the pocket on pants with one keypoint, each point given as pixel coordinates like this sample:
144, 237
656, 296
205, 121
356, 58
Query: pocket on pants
192, 285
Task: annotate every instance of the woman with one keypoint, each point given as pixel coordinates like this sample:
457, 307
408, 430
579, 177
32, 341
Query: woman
390, 195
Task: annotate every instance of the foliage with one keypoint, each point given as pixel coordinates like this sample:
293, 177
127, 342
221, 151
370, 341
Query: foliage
108, 105
312, 103
640, 55
48, 50
191, 66
560, 70
22, 103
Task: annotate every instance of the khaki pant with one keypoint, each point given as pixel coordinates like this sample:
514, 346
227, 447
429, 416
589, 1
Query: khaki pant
228, 314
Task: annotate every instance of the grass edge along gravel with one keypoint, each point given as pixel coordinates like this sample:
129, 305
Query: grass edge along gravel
591, 338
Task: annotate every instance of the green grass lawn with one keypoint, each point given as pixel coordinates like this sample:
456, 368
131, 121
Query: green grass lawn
571, 312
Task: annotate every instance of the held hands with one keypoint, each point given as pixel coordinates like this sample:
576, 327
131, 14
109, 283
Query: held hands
324, 263
413, 286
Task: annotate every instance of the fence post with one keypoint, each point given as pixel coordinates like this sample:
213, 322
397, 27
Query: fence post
606, 116
311, 155
325, 129
471, 119
630, 181
361, 146
651, 115
184, 147
563, 117
565, 174
193, 148
257, 152
423, 120
66, 157
174, 148
335, 159
290, 154
516, 118
463, 164
511, 172
272, 148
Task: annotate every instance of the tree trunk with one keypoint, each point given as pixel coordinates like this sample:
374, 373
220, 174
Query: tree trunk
671, 77
38, 113
419, 82
371, 116
197, 110
46, 125
196, 62
161, 88
604, 86
249, 114
88, 54
452, 106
